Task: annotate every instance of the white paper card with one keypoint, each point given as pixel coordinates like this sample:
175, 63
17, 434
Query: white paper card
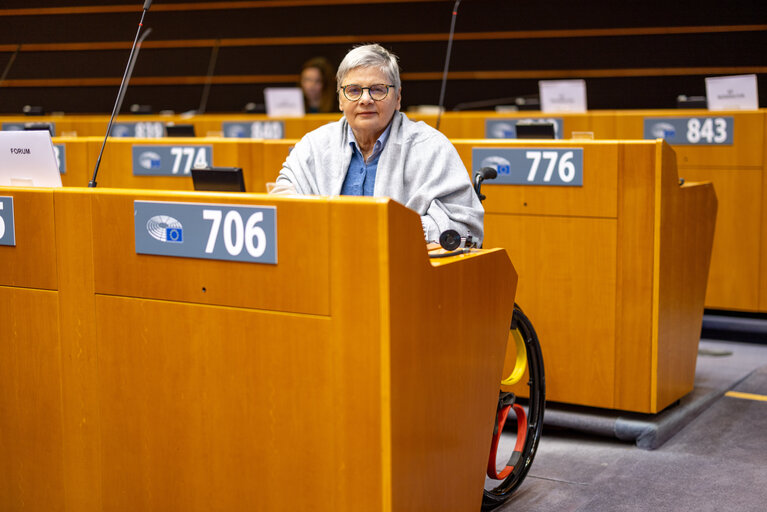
562, 95
736, 92
284, 101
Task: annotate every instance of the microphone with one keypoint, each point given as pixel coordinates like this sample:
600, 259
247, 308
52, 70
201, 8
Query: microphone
10, 63
447, 62
121, 91
486, 173
209, 78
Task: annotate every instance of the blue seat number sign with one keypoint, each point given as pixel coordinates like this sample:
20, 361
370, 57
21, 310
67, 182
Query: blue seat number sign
208, 231
140, 130
157, 160
254, 129
531, 166
709, 131
7, 231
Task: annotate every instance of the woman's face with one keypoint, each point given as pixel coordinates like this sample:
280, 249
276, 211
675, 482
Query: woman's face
311, 83
368, 118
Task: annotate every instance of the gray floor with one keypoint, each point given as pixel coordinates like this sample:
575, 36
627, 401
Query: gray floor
716, 462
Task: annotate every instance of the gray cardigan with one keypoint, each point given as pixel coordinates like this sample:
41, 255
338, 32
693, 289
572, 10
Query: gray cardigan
418, 167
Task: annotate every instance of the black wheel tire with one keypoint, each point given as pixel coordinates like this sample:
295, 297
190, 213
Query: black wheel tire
537, 404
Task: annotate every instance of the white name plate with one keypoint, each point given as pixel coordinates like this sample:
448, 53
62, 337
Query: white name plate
737, 92
562, 95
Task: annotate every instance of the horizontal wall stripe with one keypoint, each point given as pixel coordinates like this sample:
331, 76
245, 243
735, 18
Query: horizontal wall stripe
383, 38
207, 6
428, 76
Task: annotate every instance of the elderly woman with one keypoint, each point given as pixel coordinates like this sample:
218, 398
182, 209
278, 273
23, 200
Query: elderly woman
375, 150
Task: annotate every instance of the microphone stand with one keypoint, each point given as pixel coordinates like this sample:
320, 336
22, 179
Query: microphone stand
209, 78
121, 91
10, 63
447, 62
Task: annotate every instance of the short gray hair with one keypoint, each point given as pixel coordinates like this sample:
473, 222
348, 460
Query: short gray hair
370, 56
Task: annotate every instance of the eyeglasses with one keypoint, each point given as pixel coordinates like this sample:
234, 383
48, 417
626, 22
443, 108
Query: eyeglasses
377, 92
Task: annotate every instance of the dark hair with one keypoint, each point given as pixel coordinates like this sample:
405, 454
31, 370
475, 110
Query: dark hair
328, 100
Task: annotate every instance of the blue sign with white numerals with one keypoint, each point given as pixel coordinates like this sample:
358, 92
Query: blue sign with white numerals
681, 131
254, 130
7, 224
139, 130
156, 160
531, 166
507, 128
208, 231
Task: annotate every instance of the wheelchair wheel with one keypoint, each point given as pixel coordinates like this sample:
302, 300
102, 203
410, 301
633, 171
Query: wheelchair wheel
500, 485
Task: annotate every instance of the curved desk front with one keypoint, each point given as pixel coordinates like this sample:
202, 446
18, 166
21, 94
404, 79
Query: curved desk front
353, 367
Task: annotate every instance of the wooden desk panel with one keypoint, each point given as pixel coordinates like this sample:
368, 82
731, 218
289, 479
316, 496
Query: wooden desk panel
748, 132
31, 472
299, 283
763, 241
116, 169
31, 263
471, 125
597, 198
567, 275
733, 281
617, 301
274, 154
167, 396
79, 160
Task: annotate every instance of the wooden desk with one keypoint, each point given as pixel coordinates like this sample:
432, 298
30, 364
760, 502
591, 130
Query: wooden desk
738, 277
163, 383
612, 274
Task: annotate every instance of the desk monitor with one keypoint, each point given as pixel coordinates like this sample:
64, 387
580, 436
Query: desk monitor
179, 130
27, 159
218, 179
535, 130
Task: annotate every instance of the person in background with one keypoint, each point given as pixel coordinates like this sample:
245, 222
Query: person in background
375, 150
319, 86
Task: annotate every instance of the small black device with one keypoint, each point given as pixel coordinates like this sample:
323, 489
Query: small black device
531, 102
535, 130
684, 101
218, 179
179, 130
40, 126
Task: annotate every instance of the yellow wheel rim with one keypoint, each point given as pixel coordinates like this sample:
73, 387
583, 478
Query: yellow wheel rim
521, 363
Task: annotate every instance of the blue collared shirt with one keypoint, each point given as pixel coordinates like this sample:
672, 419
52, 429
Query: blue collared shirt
361, 176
